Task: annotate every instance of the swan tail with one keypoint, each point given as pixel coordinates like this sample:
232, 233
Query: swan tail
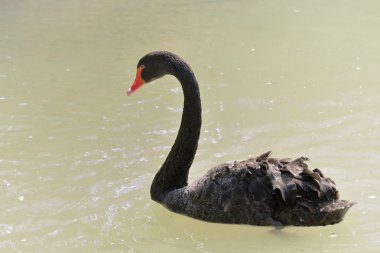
307, 197
324, 214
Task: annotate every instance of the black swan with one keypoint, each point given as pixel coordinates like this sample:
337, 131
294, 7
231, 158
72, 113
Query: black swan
259, 191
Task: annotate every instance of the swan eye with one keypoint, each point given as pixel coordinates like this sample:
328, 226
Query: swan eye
140, 68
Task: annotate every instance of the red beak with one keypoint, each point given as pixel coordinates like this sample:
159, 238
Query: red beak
138, 81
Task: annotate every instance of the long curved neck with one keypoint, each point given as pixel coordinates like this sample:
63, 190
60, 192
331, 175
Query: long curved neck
174, 172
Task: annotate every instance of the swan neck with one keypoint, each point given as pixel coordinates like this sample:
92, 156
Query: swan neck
173, 174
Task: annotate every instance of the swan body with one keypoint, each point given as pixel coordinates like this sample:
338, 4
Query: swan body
258, 191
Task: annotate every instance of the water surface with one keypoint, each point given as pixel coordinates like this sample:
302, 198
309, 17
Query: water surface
77, 156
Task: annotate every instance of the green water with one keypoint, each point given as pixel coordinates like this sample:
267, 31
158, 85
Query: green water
77, 156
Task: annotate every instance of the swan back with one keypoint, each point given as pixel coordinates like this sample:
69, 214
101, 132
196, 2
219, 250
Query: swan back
262, 191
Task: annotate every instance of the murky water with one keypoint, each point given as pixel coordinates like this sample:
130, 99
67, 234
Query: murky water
77, 155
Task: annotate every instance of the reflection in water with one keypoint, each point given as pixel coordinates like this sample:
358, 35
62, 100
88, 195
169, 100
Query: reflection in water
77, 155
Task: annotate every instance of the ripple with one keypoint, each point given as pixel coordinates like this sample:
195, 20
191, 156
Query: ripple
161, 132
6, 229
88, 138
124, 189
161, 148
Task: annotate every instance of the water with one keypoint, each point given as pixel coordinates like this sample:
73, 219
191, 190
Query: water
77, 155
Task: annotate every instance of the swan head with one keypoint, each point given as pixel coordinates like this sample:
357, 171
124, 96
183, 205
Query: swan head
151, 67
